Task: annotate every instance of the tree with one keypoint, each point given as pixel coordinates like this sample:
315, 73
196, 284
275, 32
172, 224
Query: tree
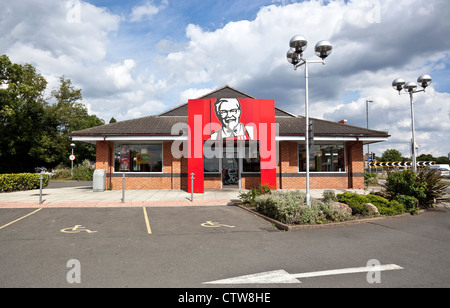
71, 116
391, 155
425, 157
25, 128
112, 120
437, 160
33, 131
442, 160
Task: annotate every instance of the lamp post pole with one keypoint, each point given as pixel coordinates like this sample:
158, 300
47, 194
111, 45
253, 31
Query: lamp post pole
295, 56
367, 123
410, 87
72, 145
413, 133
308, 196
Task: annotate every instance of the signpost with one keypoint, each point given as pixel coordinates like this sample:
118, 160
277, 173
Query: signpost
72, 158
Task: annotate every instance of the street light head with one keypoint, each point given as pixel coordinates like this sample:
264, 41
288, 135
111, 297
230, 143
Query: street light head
424, 81
72, 145
323, 49
298, 43
398, 84
410, 86
292, 57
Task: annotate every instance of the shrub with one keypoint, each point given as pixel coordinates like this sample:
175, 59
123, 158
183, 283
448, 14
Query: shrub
425, 186
354, 201
347, 197
249, 197
290, 207
81, 172
405, 183
393, 208
370, 179
378, 201
384, 206
280, 205
408, 202
433, 187
329, 195
22, 181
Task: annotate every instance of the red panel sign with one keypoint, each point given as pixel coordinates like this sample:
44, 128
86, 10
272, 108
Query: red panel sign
231, 119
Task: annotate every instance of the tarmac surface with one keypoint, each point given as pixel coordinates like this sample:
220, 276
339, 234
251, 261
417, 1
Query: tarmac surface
81, 194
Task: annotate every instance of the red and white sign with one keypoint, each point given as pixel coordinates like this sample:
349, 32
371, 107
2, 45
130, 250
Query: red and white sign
72, 157
231, 119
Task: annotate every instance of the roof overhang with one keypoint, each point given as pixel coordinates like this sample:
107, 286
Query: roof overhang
340, 138
94, 139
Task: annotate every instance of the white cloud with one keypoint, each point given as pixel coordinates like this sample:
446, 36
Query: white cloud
374, 42
120, 74
59, 42
193, 93
121, 80
146, 11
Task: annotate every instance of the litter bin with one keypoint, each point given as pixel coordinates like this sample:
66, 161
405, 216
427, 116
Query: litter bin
99, 180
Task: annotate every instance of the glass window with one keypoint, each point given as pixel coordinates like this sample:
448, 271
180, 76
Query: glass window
251, 161
323, 158
211, 156
138, 158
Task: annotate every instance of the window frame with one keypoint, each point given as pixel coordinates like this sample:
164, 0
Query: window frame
323, 144
222, 148
118, 144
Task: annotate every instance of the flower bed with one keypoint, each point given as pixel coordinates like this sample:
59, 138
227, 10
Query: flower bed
289, 207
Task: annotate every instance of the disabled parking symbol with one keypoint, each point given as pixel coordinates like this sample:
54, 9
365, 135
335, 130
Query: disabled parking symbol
77, 229
211, 224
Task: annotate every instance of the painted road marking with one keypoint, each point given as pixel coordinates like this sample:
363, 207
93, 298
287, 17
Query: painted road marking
77, 229
4, 226
147, 223
281, 276
210, 224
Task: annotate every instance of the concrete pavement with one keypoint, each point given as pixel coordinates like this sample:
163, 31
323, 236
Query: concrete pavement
81, 194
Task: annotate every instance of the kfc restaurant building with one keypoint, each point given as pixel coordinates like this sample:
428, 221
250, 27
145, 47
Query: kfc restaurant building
229, 139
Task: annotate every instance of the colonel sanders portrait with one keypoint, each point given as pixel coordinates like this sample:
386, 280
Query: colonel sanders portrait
228, 111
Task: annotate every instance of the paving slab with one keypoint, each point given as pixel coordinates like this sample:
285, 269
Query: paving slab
81, 194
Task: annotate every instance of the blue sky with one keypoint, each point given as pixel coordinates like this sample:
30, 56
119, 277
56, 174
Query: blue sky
137, 58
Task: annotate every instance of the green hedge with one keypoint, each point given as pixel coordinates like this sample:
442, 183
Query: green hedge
21, 181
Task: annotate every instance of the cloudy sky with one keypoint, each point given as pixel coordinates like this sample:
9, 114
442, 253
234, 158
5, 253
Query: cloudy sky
139, 58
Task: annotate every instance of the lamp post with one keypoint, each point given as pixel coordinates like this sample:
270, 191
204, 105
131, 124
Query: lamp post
72, 145
294, 55
367, 122
410, 87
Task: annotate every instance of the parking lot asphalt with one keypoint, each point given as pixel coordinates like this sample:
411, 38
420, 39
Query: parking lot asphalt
187, 247
168, 244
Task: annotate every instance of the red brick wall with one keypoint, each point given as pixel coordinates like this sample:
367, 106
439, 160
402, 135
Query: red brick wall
175, 171
104, 158
355, 168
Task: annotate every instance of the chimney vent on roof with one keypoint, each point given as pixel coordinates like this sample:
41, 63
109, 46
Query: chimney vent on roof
343, 121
